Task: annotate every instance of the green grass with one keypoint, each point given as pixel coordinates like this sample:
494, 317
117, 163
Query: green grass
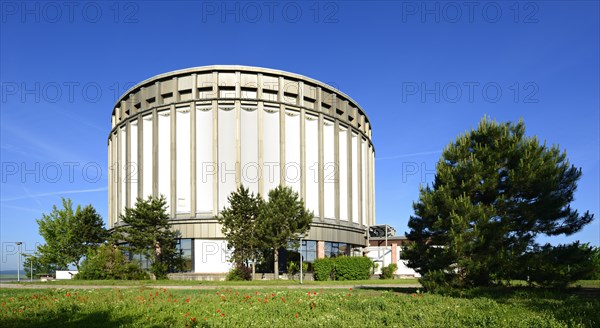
221, 283
277, 307
587, 283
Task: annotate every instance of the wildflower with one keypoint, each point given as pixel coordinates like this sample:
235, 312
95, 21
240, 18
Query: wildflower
68, 294
187, 300
350, 288
222, 314
194, 319
219, 310
296, 315
283, 299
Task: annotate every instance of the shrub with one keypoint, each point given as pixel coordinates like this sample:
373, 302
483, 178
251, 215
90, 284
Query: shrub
352, 268
388, 271
292, 269
557, 266
343, 268
324, 269
108, 262
239, 273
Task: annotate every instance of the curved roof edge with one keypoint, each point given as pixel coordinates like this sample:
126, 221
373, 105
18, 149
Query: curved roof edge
256, 69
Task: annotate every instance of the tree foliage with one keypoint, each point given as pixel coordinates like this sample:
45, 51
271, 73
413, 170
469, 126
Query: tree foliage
147, 232
557, 266
69, 234
39, 264
239, 224
494, 192
282, 218
109, 262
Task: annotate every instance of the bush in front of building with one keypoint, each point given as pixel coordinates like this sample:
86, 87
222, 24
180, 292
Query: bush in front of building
324, 269
343, 268
353, 268
108, 262
239, 273
387, 272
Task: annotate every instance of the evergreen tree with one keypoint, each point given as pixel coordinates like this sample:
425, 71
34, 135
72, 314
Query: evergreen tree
282, 219
239, 226
494, 192
147, 232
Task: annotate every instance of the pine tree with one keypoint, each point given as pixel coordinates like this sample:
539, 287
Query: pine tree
147, 232
282, 219
494, 192
239, 226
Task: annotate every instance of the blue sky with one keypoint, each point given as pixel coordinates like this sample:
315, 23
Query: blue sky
424, 72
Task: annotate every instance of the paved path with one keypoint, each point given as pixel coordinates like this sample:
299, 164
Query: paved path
46, 286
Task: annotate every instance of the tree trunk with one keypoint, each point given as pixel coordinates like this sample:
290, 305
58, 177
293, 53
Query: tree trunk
276, 260
253, 270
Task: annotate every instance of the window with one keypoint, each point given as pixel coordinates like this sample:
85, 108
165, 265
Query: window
336, 249
308, 248
185, 248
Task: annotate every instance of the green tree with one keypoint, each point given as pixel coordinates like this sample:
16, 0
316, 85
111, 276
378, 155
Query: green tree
283, 218
39, 264
239, 226
69, 234
109, 262
147, 232
495, 191
557, 266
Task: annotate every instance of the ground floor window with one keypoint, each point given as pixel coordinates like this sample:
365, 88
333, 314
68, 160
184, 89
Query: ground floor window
309, 250
185, 247
336, 249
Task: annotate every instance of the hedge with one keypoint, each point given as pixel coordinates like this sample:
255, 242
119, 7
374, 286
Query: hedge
343, 268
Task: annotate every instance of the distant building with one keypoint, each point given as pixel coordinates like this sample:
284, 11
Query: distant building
385, 250
194, 135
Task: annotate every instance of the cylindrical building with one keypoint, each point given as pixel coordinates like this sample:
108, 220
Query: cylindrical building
194, 135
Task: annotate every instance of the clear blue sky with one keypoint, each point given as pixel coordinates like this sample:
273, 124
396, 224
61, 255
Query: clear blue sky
63, 67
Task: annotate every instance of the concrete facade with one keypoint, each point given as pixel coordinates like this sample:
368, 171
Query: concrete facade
196, 134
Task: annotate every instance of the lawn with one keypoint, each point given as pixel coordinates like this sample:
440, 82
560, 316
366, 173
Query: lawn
277, 307
257, 283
